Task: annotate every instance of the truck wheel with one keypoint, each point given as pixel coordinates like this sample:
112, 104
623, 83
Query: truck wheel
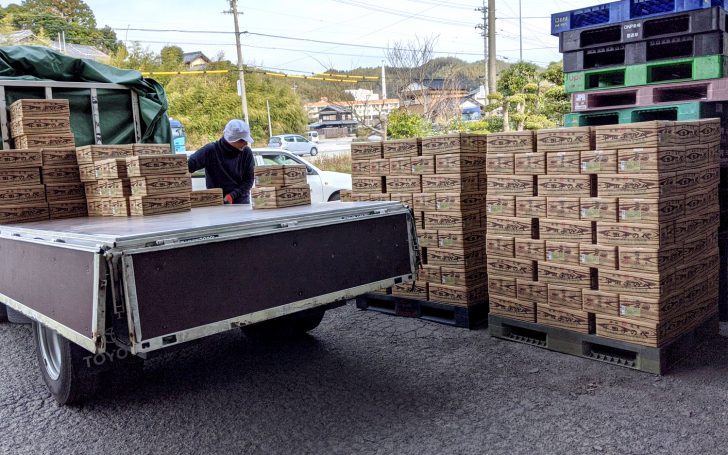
3, 313
288, 326
66, 368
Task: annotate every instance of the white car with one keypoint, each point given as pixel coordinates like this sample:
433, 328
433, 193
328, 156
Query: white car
294, 143
325, 186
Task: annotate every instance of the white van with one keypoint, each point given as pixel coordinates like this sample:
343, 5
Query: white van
312, 136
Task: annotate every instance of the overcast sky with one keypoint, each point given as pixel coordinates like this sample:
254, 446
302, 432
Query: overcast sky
377, 23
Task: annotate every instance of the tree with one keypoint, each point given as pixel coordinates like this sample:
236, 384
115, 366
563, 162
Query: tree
74, 11
172, 57
522, 95
403, 124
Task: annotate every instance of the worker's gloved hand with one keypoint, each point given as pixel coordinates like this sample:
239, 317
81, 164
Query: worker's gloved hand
228, 199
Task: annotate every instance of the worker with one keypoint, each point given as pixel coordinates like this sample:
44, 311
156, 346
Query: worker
228, 163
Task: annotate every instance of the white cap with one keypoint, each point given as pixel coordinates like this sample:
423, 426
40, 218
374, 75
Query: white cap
237, 130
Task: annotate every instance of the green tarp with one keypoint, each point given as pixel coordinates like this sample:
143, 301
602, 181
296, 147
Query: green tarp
115, 110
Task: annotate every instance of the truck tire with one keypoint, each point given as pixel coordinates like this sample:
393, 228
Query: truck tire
288, 326
3, 313
66, 368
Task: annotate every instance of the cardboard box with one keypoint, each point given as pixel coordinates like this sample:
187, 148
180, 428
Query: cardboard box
14, 159
441, 145
460, 201
701, 202
367, 185
151, 149
598, 256
458, 295
397, 166
429, 273
401, 148
598, 208
634, 185
516, 268
500, 205
599, 162
509, 226
563, 163
496, 245
513, 308
565, 230
565, 275
411, 184
562, 252
686, 274
43, 140
416, 290
708, 178
684, 182
460, 239
619, 282
13, 196
450, 183
361, 168
142, 166
631, 234
502, 286
709, 130
500, 163
206, 198
272, 175
64, 192
379, 167
482, 181
564, 185
454, 276
59, 210
30, 126
561, 297
366, 150
19, 177
87, 172
24, 213
160, 184
55, 175
88, 154
568, 208
424, 202
461, 163
645, 134
574, 320
531, 206
404, 198
95, 206
696, 156
423, 165
40, 108
650, 160
512, 185
600, 302
464, 221
532, 291
167, 203
114, 168
652, 210
473, 142
59, 157
511, 142
565, 139
114, 188
272, 197
462, 259
534, 250
116, 206
427, 238
530, 163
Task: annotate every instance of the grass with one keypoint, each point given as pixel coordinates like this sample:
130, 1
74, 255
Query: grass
335, 163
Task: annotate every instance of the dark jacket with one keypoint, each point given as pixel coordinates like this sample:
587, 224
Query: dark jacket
226, 167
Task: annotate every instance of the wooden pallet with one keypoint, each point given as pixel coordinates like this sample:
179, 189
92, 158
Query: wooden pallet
648, 359
469, 317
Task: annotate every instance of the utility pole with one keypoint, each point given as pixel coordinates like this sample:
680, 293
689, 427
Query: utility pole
491, 47
520, 31
484, 34
241, 73
270, 127
384, 83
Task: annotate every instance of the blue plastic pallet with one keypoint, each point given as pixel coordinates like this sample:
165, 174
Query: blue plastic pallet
624, 10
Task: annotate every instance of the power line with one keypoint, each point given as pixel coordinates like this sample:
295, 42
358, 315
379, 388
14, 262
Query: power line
395, 12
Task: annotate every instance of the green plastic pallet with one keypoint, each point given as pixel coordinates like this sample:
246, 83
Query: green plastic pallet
662, 72
682, 111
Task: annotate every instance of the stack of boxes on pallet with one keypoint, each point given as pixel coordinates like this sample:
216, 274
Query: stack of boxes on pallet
40, 177
279, 186
442, 180
617, 240
134, 179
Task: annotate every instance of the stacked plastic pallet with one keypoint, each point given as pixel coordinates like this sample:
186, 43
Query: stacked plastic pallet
442, 180
617, 240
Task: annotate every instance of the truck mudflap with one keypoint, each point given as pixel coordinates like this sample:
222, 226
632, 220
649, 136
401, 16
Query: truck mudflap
61, 287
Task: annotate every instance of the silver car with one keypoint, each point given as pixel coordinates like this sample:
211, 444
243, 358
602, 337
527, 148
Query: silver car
294, 143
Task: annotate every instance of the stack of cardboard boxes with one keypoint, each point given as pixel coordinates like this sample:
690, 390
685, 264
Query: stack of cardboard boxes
41, 123
617, 240
279, 186
441, 179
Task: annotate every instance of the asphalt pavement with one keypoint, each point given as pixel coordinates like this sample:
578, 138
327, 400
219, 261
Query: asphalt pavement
368, 383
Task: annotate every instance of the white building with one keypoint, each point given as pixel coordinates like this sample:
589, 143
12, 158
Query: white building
362, 94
